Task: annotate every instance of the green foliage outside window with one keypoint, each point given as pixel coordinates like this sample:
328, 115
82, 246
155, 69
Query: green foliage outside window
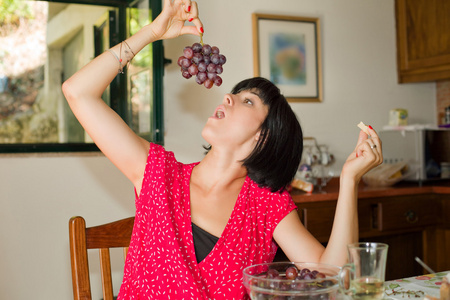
11, 11
138, 19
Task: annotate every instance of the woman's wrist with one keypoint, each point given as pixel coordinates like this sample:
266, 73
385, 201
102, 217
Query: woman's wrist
348, 181
141, 39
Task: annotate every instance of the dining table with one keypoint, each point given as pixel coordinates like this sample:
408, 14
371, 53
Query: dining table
416, 287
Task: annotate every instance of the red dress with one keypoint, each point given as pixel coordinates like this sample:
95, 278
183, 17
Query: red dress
161, 261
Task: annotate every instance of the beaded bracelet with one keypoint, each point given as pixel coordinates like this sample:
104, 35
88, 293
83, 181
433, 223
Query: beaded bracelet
130, 49
119, 60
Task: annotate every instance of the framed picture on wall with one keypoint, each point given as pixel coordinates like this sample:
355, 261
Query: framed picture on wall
286, 50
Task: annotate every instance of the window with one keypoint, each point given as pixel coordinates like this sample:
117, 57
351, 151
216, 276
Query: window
43, 43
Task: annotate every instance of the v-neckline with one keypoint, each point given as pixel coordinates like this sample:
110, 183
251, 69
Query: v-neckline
219, 243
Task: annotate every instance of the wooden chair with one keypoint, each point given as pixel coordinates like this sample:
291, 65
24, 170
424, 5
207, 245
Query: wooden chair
112, 235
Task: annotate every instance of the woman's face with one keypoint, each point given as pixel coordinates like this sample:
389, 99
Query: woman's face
236, 123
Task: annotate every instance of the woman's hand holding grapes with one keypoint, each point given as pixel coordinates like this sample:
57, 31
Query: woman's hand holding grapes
171, 22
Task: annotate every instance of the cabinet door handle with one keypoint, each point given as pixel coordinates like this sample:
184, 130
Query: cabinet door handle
411, 217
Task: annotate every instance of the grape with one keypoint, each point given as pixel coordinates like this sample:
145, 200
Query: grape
186, 74
208, 83
222, 59
185, 63
180, 59
215, 50
211, 68
291, 273
197, 47
320, 275
202, 66
272, 273
201, 76
197, 58
193, 69
188, 52
215, 59
273, 285
204, 62
218, 81
277, 284
207, 49
199, 80
212, 76
304, 271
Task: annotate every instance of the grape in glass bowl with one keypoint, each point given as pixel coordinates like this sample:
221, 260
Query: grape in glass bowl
292, 280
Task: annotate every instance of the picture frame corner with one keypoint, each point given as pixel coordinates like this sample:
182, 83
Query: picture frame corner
298, 93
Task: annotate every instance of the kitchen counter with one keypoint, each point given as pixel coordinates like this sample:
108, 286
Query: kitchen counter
331, 191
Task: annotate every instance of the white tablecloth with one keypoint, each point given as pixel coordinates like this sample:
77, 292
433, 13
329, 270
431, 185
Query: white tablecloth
415, 287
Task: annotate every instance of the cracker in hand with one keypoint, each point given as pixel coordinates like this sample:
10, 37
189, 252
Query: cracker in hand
363, 127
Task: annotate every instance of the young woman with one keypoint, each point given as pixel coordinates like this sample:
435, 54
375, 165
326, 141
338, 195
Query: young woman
199, 225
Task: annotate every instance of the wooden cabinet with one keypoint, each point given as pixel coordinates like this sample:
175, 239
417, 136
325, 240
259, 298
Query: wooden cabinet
412, 225
406, 212
318, 219
423, 40
377, 216
436, 243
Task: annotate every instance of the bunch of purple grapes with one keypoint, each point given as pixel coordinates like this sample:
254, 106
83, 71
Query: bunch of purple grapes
293, 279
204, 62
293, 273
288, 281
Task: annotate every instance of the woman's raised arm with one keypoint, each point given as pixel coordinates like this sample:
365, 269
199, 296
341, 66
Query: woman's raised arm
84, 89
299, 245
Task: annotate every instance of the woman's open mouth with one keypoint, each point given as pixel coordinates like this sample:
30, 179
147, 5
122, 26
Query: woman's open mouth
219, 113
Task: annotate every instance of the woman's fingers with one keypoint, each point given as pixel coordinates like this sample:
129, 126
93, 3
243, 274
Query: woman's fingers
376, 144
367, 155
370, 146
187, 6
372, 151
376, 141
174, 3
194, 18
172, 22
361, 138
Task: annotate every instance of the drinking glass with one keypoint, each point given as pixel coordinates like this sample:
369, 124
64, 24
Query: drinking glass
366, 269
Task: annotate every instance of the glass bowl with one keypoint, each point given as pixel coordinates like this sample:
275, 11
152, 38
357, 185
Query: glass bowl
274, 281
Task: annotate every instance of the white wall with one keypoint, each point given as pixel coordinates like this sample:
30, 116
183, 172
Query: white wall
359, 72
38, 195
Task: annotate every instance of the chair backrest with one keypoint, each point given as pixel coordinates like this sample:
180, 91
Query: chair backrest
103, 237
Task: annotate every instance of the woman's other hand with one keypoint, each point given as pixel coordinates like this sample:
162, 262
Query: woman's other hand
171, 21
367, 155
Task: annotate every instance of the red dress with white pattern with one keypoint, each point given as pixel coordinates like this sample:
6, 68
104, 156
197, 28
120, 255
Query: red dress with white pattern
161, 261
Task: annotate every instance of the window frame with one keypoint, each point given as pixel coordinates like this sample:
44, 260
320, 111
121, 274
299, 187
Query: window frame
119, 94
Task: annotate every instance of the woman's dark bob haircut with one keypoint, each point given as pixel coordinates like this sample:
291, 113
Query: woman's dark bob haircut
276, 157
